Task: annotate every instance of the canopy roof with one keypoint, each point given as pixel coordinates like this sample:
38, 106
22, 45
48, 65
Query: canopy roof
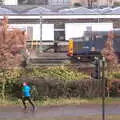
39, 10
4, 11
78, 10
102, 11
115, 11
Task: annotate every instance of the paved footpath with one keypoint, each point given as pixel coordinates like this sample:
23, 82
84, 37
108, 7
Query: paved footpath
57, 111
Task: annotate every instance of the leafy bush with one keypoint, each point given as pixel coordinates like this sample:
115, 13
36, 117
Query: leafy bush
60, 73
55, 82
116, 75
76, 4
58, 88
116, 3
115, 88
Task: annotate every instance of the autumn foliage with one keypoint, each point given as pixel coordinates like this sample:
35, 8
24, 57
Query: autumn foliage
109, 53
12, 41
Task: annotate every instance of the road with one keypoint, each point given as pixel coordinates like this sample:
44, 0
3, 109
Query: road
58, 111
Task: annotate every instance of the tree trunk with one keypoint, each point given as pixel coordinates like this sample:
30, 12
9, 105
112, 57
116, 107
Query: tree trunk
3, 86
108, 82
88, 3
108, 91
91, 4
3, 89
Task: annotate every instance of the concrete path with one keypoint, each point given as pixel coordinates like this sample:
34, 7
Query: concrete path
58, 111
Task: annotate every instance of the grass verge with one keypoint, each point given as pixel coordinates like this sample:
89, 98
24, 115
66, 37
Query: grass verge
62, 101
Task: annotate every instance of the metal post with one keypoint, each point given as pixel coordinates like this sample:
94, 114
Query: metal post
103, 88
98, 20
98, 68
40, 43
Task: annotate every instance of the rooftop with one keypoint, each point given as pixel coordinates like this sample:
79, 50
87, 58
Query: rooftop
37, 10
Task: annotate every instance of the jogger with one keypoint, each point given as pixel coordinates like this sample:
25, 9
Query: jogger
27, 96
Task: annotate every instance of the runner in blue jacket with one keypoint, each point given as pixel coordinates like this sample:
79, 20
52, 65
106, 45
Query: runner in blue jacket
27, 96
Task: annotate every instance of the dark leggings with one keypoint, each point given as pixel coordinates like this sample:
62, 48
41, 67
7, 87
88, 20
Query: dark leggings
27, 99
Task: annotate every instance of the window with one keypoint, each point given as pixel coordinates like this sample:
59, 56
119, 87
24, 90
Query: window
25, 2
56, 2
31, 2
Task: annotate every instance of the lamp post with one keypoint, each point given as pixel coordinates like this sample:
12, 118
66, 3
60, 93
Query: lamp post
100, 67
40, 43
96, 74
103, 88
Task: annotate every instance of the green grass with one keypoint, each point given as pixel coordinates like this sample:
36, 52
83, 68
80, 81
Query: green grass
112, 100
63, 101
77, 101
66, 101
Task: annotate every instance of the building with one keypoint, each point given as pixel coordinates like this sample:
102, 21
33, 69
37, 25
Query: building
96, 3
57, 28
88, 3
57, 22
37, 2
10, 2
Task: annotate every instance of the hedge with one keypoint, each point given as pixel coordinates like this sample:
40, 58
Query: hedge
55, 82
42, 88
115, 88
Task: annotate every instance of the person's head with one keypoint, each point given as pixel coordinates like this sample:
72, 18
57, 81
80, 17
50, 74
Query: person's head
24, 83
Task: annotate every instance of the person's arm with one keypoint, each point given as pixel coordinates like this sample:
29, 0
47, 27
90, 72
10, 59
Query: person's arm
29, 88
22, 89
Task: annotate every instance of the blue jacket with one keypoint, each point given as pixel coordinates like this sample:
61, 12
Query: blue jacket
26, 91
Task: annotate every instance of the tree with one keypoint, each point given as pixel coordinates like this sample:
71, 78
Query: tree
109, 53
91, 3
12, 41
110, 56
1, 0
116, 3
